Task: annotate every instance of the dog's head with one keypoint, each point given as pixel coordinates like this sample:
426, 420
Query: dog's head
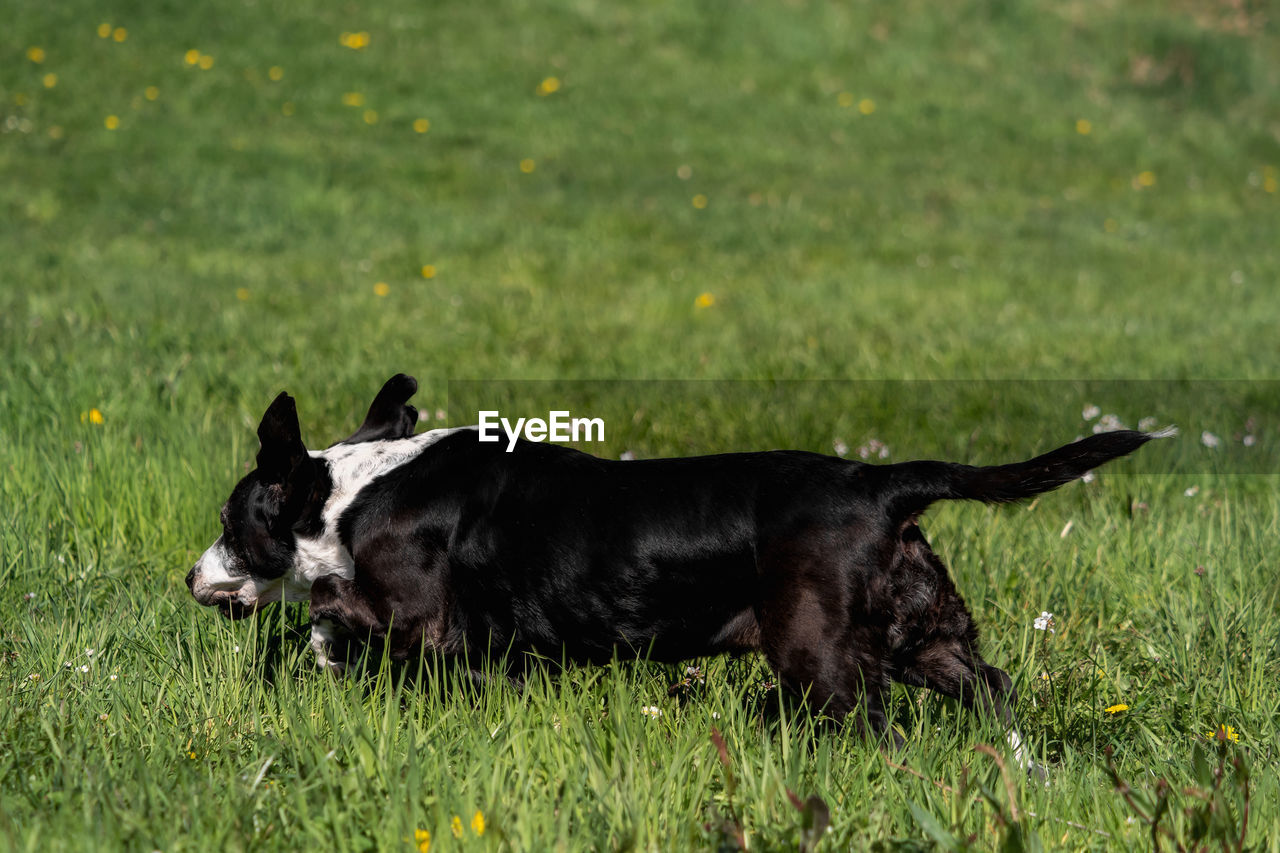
257, 559
253, 559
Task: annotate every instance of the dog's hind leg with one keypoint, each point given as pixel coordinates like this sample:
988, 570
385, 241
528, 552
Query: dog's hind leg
811, 642
937, 642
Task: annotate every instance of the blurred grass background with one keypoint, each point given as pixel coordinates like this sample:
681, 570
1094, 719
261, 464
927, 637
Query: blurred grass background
205, 204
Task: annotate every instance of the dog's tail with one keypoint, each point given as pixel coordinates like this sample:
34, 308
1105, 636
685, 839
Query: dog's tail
912, 486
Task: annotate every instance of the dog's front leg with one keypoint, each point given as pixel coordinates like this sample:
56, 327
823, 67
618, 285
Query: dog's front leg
341, 620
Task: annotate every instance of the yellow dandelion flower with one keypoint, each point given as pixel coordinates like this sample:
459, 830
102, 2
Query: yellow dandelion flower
191, 755
35, 54
1084, 127
119, 34
191, 57
104, 30
477, 823
1224, 733
428, 271
548, 86
421, 125
845, 99
111, 122
381, 288
353, 99
370, 116
355, 41
1146, 179
275, 73
242, 293
1116, 709
704, 300
866, 106
423, 839
527, 165
151, 93
287, 108
206, 61
700, 201
455, 824
95, 417
50, 80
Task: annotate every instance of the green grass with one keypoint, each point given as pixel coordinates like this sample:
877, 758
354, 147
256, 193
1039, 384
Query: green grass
178, 271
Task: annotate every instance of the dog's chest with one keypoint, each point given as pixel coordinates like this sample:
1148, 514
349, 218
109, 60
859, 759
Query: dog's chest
351, 468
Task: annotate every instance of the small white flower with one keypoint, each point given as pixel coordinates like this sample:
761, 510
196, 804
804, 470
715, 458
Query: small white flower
874, 447
1088, 477
35, 676
88, 652
28, 596
651, 711
1191, 492
839, 447
235, 648
1108, 423
1249, 440
113, 676
1044, 622
1090, 412
84, 668
441, 414
1209, 440
1147, 424
102, 717
715, 715
626, 456
67, 664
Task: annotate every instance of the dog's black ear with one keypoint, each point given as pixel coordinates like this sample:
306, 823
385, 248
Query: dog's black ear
282, 452
390, 416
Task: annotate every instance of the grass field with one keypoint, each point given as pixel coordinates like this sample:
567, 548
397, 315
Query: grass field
205, 204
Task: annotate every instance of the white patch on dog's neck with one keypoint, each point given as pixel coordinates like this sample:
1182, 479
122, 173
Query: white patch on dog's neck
351, 468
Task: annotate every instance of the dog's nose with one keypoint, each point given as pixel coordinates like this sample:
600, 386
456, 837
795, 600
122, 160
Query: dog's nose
191, 577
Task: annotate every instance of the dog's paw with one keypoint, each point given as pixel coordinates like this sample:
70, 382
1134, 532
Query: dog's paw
323, 634
1037, 773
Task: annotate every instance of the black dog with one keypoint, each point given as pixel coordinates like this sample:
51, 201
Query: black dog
442, 542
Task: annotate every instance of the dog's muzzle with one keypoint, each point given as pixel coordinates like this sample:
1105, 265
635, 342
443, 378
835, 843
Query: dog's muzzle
214, 585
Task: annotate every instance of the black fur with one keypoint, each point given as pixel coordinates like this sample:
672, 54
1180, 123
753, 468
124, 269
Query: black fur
815, 561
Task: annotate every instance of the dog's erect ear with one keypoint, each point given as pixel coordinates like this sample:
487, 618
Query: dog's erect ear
390, 416
282, 452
